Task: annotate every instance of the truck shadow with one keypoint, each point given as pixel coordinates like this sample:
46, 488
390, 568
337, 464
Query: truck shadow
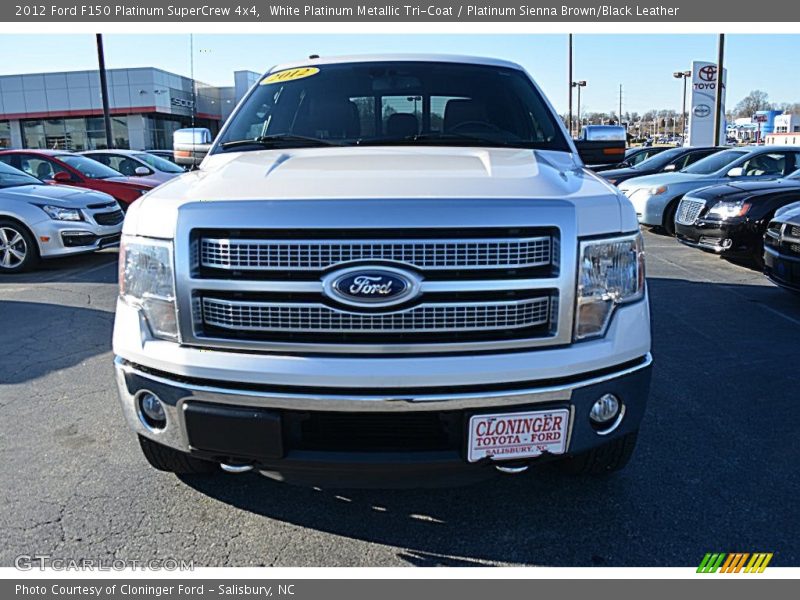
37, 338
714, 446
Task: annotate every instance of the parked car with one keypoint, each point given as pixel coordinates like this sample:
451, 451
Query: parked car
667, 161
782, 248
134, 163
67, 168
656, 197
604, 133
355, 296
43, 221
190, 145
633, 156
731, 219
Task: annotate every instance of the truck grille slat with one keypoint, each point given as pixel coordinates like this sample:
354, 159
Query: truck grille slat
264, 316
315, 255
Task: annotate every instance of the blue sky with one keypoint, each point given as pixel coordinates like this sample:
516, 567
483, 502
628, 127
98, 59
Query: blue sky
643, 64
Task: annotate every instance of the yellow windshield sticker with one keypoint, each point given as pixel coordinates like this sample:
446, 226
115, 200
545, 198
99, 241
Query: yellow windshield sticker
290, 75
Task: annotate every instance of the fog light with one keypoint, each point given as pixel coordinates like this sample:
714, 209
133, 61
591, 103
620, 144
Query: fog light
151, 411
605, 409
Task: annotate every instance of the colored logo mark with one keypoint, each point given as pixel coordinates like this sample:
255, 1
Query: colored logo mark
734, 562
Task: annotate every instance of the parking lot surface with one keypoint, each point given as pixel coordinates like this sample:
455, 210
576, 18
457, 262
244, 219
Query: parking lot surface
715, 469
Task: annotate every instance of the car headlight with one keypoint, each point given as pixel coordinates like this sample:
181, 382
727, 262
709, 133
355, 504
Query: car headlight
59, 213
728, 210
147, 282
658, 190
610, 273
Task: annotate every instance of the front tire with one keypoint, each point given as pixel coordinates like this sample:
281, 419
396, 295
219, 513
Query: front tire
169, 460
18, 251
602, 460
669, 218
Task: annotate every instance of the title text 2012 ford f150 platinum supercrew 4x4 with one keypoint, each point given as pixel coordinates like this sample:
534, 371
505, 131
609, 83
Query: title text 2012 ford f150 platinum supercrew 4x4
388, 269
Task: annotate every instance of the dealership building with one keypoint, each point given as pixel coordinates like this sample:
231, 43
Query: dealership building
65, 111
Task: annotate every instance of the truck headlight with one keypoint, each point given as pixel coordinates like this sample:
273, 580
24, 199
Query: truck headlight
610, 273
146, 282
728, 210
58, 213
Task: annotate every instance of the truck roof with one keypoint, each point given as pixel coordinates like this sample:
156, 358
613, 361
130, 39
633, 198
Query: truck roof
451, 58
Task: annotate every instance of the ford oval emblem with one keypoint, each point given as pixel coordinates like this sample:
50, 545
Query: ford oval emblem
365, 286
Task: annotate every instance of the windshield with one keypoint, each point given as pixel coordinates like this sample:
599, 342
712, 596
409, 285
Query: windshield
88, 167
395, 103
158, 163
715, 162
11, 177
660, 160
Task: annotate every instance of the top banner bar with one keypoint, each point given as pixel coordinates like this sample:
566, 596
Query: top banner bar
408, 11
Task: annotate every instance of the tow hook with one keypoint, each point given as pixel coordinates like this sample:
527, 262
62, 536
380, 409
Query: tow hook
512, 470
236, 468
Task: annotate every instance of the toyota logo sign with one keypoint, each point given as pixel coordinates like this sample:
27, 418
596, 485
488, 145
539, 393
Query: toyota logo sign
708, 73
702, 110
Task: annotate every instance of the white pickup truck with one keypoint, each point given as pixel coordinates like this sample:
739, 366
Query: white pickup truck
388, 270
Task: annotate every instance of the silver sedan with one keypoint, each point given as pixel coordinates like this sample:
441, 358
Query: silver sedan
42, 221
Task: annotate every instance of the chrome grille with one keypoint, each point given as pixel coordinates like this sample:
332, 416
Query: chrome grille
309, 317
795, 231
426, 254
688, 211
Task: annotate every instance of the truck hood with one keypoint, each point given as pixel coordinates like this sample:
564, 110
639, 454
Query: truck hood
55, 195
389, 173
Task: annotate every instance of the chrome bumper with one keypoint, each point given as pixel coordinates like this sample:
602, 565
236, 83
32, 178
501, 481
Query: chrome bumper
174, 393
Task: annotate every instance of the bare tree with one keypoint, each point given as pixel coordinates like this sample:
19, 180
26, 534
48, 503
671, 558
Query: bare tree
752, 103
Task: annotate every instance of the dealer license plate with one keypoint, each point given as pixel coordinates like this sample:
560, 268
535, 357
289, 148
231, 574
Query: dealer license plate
511, 436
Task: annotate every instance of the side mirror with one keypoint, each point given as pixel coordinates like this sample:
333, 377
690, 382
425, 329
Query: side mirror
141, 171
735, 172
670, 168
62, 177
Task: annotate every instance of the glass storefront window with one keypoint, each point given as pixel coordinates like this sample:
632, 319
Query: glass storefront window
84, 133
5, 134
33, 134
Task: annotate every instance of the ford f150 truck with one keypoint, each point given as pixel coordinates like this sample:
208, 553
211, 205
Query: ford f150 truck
387, 270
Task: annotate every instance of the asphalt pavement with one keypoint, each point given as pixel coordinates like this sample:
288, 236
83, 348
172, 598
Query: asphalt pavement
715, 469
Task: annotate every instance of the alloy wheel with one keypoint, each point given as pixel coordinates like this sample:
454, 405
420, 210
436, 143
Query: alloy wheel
13, 248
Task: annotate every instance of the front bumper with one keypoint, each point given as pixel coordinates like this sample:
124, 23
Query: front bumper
782, 269
309, 435
721, 237
64, 238
649, 209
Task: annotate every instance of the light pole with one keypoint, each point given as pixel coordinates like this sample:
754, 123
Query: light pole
718, 116
579, 85
683, 75
569, 86
101, 62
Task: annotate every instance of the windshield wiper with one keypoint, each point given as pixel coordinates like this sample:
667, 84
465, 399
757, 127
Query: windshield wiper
277, 139
445, 138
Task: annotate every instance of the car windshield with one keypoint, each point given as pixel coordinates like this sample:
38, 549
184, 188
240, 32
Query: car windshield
660, 160
158, 163
88, 167
386, 103
715, 162
11, 177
